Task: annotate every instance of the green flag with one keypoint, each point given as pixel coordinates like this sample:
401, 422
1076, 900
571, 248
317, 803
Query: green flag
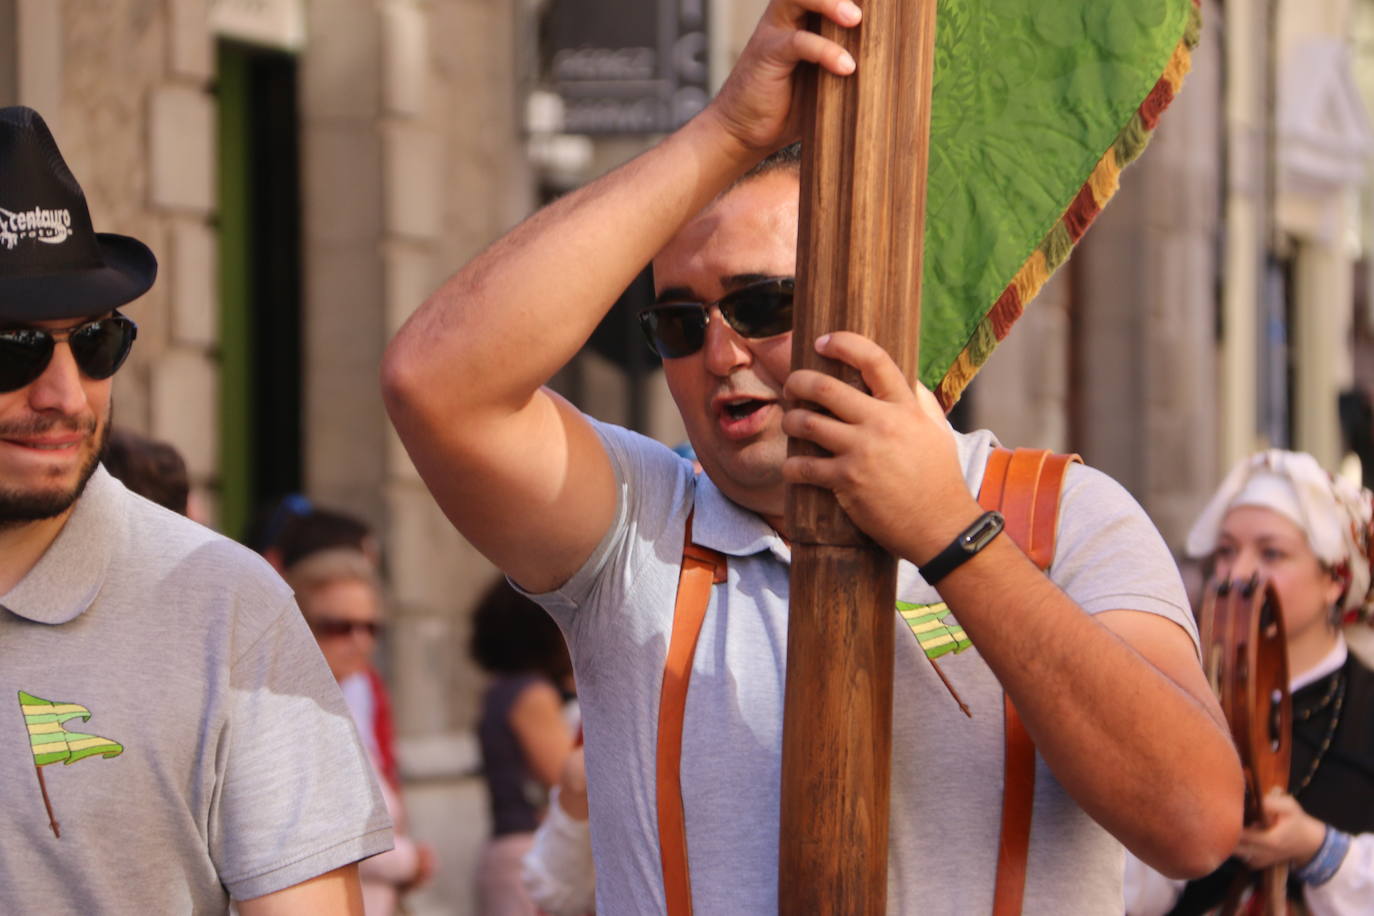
1036, 108
51, 743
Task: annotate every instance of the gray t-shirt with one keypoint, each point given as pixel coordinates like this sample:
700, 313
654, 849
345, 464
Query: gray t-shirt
193, 743
947, 769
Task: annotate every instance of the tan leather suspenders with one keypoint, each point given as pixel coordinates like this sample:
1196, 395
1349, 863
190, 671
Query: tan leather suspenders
701, 568
1025, 486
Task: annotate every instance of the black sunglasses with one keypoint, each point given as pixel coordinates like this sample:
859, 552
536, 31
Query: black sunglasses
99, 348
335, 627
762, 309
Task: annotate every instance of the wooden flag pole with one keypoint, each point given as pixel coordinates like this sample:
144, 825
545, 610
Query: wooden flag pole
859, 256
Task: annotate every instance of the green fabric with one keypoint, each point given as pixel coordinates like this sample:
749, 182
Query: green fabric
1029, 95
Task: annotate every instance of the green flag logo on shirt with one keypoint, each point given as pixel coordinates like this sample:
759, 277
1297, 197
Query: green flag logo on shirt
934, 627
51, 743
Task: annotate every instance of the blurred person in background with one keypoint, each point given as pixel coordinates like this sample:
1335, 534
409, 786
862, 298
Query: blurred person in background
321, 528
559, 872
149, 467
1279, 514
340, 597
294, 529
525, 736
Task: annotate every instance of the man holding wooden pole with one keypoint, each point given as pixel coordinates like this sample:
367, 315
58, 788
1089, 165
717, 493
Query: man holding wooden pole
1100, 657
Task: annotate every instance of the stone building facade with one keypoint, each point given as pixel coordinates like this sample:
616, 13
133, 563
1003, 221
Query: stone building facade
1233, 256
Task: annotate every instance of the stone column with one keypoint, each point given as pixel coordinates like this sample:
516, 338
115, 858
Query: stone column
1322, 335
1144, 304
36, 67
344, 230
1248, 202
184, 384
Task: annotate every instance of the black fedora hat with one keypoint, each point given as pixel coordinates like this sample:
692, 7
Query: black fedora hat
53, 264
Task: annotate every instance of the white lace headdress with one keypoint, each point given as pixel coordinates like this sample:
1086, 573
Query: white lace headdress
1334, 513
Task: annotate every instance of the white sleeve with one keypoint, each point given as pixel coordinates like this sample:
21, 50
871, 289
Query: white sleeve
1351, 888
1147, 892
558, 871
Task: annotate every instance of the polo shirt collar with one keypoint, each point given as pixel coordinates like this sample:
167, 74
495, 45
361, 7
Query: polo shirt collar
729, 528
68, 577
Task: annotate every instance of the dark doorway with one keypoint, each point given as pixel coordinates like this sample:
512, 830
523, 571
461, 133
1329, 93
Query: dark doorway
260, 282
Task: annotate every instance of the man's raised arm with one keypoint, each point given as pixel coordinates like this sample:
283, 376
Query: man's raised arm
515, 468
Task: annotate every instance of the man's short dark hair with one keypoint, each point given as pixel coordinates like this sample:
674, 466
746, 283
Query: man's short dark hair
150, 468
321, 529
789, 158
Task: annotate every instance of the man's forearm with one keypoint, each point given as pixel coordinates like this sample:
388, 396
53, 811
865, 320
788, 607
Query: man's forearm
1116, 702
462, 379
504, 324
1141, 754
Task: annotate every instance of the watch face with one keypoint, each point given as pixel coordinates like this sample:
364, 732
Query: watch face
973, 539
982, 532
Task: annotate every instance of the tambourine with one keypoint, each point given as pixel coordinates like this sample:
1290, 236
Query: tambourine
1245, 656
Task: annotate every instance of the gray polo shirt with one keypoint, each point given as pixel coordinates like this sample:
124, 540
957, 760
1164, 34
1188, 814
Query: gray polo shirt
193, 743
947, 769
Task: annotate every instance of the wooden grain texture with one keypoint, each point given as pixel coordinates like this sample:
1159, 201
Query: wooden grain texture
858, 268
837, 732
859, 250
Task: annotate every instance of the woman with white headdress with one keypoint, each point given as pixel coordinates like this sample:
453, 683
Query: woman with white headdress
1279, 514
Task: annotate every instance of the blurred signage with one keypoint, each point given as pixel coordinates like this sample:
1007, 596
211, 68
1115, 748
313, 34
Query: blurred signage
627, 66
274, 23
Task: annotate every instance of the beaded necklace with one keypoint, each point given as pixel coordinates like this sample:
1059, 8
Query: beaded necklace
1335, 698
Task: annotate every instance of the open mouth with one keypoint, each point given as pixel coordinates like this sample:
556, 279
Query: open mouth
738, 410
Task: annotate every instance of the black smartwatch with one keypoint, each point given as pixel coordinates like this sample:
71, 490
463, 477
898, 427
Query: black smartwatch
973, 539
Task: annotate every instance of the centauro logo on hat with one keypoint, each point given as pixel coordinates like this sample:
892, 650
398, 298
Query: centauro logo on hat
51, 227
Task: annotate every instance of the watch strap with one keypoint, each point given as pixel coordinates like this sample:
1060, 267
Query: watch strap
969, 542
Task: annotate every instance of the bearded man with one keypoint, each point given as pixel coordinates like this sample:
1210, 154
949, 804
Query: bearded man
221, 762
